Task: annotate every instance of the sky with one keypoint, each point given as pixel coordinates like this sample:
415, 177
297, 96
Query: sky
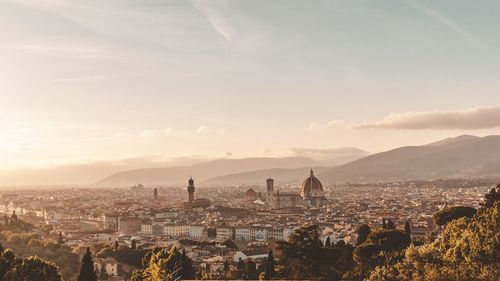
97, 81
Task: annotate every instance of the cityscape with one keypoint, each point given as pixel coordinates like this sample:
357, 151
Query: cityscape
326, 140
218, 228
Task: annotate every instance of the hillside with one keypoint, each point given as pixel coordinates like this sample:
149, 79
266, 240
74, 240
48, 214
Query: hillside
281, 176
464, 156
203, 171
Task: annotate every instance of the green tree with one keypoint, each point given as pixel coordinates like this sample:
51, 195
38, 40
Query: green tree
87, 272
241, 269
328, 243
226, 269
408, 228
185, 264
60, 239
137, 275
230, 244
391, 242
491, 197
250, 269
169, 264
32, 268
364, 255
304, 257
7, 259
467, 250
452, 213
269, 270
363, 231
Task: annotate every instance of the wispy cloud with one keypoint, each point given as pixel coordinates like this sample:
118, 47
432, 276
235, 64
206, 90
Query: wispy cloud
202, 130
56, 49
471, 119
333, 123
328, 153
218, 22
155, 133
437, 16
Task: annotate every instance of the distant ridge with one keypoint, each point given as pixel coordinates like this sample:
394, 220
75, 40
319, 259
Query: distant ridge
460, 140
280, 175
203, 171
461, 157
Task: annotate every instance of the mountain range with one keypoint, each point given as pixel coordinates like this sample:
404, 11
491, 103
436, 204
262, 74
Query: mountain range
461, 157
465, 156
240, 171
202, 171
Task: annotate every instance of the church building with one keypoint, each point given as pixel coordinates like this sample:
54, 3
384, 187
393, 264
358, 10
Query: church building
311, 194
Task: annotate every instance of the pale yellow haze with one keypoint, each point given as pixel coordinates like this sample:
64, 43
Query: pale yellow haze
130, 84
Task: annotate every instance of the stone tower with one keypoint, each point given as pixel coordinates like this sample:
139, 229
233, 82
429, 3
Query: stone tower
191, 190
270, 192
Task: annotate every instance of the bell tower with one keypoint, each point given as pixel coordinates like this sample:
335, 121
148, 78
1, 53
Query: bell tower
190, 189
270, 191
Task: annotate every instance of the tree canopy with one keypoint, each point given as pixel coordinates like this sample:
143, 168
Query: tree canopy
468, 250
87, 272
304, 257
21, 269
452, 213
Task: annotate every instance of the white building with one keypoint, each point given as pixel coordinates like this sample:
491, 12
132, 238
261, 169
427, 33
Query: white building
258, 234
258, 254
242, 234
176, 230
224, 233
196, 231
109, 265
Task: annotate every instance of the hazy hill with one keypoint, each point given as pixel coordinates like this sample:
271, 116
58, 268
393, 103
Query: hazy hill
330, 157
258, 177
203, 171
463, 156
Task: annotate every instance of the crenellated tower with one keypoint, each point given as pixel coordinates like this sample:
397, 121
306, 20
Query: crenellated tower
270, 192
190, 189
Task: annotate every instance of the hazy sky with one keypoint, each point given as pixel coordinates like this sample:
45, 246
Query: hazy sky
96, 80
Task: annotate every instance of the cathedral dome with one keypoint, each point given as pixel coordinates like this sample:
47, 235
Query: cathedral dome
311, 187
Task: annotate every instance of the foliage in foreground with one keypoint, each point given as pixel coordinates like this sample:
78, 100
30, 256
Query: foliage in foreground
163, 264
32, 268
26, 244
468, 250
305, 257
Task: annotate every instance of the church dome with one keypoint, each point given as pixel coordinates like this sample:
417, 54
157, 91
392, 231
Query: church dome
311, 187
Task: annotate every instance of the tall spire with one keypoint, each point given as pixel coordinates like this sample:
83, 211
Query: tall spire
312, 173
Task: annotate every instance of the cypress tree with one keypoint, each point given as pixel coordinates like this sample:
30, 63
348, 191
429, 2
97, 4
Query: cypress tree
87, 272
328, 243
408, 228
60, 240
133, 244
270, 273
241, 269
226, 269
